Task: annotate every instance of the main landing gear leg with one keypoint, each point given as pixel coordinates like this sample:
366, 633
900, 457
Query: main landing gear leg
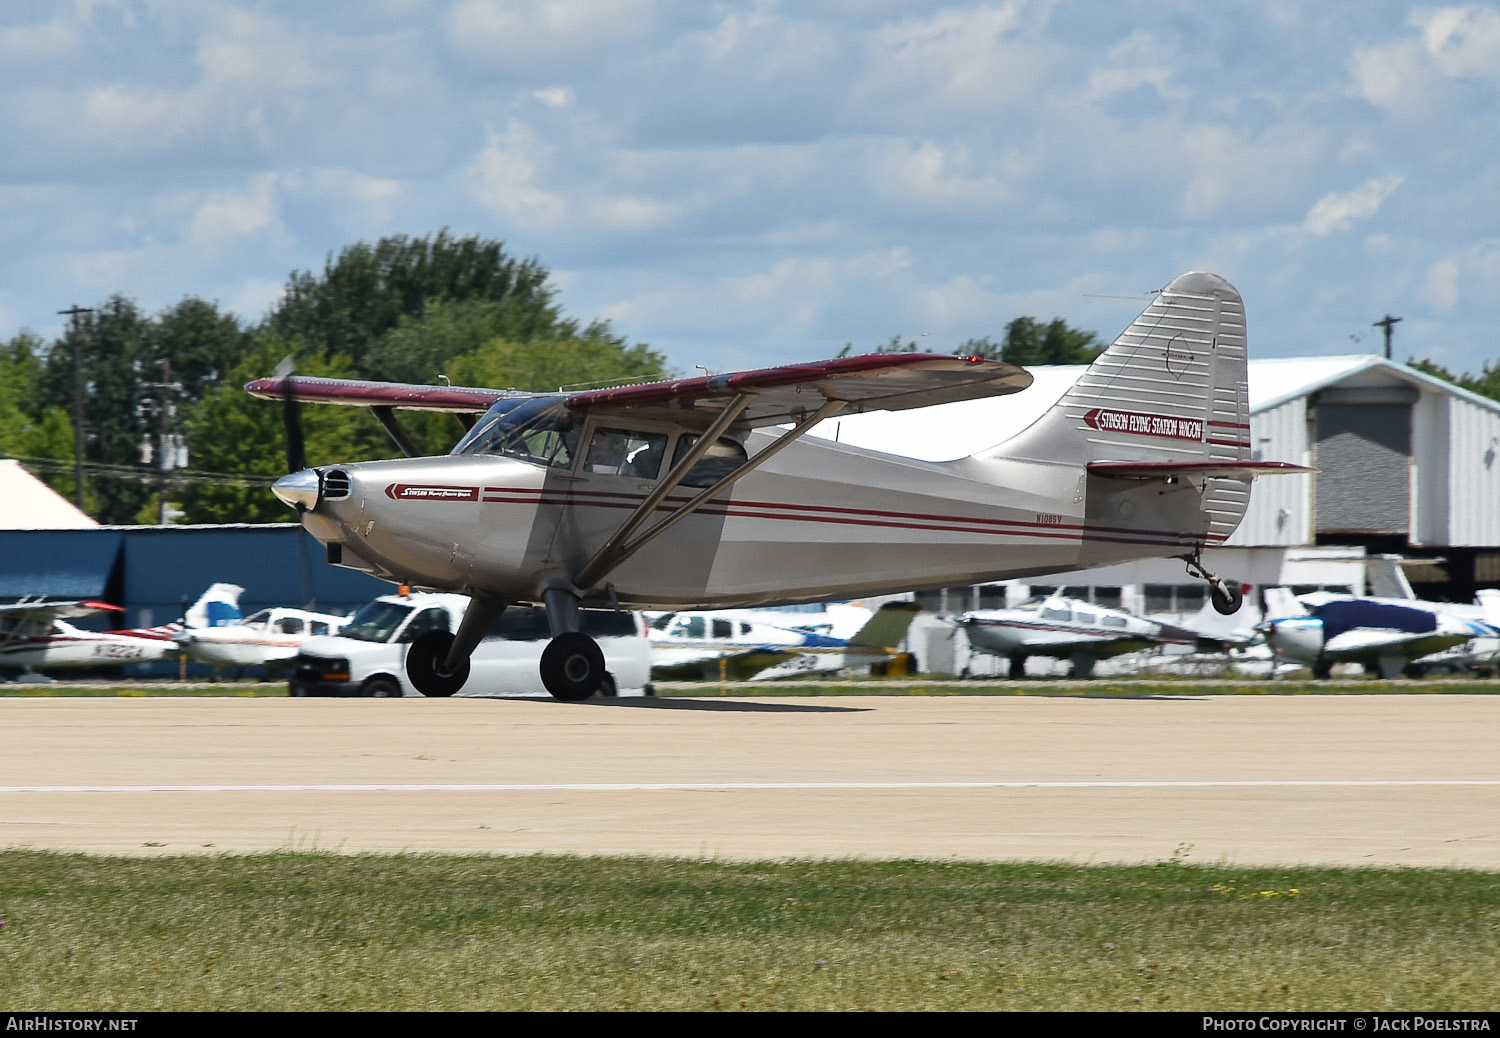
572, 663
1225, 596
437, 664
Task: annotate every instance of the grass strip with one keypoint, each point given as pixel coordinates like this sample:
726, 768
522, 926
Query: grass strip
315, 931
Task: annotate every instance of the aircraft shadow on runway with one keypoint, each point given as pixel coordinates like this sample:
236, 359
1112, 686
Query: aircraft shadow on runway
716, 705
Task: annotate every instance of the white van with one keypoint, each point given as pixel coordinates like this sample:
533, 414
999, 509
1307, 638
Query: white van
368, 656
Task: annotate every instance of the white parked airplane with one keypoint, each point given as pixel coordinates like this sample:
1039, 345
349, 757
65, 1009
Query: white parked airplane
723, 502
1385, 634
34, 636
269, 638
696, 644
1068, 629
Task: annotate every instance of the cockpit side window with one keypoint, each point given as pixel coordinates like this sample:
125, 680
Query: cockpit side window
626, 452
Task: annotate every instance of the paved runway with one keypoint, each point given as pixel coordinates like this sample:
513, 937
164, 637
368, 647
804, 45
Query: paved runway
1360, 780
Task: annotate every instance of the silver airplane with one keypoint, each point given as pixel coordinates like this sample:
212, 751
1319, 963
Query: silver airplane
1067, 629
705, 493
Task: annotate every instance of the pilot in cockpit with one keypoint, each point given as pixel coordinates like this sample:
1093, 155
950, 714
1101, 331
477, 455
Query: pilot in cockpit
606, 452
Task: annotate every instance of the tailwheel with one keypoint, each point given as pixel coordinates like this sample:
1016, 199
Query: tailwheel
572, 667
425, 665
1226, 597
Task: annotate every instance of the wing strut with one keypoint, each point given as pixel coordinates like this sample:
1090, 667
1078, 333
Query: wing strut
392, 425
619, 547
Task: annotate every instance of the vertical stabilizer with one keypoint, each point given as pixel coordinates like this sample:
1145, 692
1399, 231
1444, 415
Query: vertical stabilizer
1170, 393
216, 607
1386, 578
1281, 604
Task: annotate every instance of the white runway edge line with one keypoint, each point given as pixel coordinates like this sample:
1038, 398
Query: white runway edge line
649, 787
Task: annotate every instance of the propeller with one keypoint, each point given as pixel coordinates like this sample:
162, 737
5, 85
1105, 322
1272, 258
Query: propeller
299, 487
291, 417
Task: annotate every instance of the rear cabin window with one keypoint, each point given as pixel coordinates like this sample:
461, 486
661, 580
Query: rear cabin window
722, 458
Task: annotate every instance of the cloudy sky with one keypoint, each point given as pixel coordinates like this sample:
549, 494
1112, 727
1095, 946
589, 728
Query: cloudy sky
744, 183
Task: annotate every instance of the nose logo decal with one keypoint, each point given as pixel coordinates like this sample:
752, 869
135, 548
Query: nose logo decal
430, 492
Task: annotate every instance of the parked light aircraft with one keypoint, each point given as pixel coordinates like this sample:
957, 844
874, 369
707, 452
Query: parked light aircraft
268, 638
704, 493
1068, 629
34, 636
695, 644
1385, 634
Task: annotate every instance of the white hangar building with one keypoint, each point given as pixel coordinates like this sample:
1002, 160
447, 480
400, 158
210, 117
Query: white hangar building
1407, 464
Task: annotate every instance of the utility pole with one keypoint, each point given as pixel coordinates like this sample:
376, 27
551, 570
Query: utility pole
1388, 323
73, 313
164, 455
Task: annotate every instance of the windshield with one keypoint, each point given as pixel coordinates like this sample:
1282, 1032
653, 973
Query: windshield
376, 621
539, 429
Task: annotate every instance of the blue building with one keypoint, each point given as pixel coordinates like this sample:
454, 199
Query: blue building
156, 572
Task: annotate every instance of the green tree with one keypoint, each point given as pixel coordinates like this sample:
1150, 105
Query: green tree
199, 344
231, 432
127, 359
545, 366
1029, 342
367, 291
30, 429
113, 344
1486, 383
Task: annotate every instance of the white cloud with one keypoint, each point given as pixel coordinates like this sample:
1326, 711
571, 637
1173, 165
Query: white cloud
1472, 271
225, 218
1410, 76
1339, 211
504, 179
1440, 286
1462, 41
545, 36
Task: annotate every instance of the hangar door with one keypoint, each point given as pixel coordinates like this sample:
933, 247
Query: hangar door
1363, 454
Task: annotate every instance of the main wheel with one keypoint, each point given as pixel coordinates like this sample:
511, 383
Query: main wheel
1226, 597
382, 687
572, 667
424, 665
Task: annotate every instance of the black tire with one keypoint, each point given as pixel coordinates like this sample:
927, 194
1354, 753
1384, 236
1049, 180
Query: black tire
381, 687
1017, 667
1322, 670
572, 667
1226, 598
424, 665
607, 688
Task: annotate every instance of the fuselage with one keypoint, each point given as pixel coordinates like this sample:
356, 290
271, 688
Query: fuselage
1064, 627
269, 637
818, 521
60, 644
1370, 630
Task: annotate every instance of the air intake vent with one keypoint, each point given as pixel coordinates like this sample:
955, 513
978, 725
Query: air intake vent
335, 485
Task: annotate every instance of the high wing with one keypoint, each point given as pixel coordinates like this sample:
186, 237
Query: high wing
46, 610
772, 396
793, 393
356, 393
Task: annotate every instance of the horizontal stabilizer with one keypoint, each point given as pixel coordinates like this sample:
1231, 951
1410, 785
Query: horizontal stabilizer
1206, 469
